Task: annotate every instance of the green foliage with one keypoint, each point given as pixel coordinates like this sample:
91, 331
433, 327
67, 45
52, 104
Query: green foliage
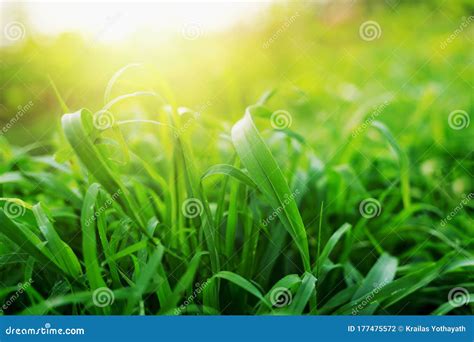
220, 210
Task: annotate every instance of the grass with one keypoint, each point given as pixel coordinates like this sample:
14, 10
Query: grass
278, 209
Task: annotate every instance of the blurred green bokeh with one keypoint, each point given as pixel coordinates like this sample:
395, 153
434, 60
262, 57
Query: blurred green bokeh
311, 52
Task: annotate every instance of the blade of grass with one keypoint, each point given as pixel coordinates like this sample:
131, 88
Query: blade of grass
29, 242
58, 248
244, 284
403, 162
145, 278
89, 238
78, 127
328, 248
184, 283
265, 172
114, 79
381, 274
305, 292
449, 306
229, 170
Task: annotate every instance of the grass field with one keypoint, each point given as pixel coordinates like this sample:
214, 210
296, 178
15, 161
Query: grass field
315, 159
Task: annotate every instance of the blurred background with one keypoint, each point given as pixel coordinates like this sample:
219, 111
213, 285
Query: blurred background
329, 60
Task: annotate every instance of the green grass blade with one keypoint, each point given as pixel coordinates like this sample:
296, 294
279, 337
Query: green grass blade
55, 186
115, 78
244, 284
184, 283
89, 238
288, 282
450, 305
58, 248
60, 99
402, 159
77, 128
305, 292
341, 298
328, 248
231, 171
28, 242
146, 275
379, 276
265, 172
398, 289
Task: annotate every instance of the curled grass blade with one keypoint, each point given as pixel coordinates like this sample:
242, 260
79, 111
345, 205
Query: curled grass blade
229, 170
244, 284
77, 128
114, 79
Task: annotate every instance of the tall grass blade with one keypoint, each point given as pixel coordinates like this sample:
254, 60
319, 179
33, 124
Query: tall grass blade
265, 172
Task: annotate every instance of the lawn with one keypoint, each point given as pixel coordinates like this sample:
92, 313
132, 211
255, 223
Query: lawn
316, 158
